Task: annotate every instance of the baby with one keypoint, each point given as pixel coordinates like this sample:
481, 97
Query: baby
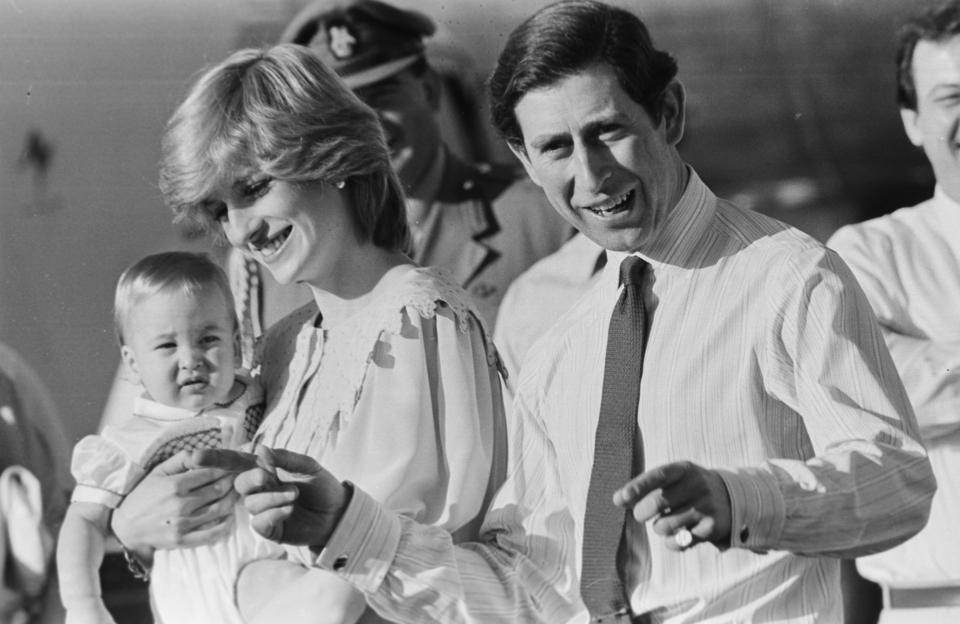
179, 338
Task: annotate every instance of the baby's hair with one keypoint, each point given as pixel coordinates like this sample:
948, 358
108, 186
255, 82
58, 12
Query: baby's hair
191, 273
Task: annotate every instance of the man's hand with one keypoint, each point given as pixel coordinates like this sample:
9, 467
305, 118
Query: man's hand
179, 504
291, 498
677, 496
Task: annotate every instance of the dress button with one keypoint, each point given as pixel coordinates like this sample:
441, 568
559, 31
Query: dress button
340, 562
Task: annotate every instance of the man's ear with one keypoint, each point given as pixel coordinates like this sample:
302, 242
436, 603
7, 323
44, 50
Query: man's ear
673, 111
521, 155
432, 87
130, 361
911, 126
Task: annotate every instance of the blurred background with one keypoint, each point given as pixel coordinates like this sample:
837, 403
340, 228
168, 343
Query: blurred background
790, 111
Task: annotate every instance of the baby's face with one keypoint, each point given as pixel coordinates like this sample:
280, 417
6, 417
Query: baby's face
182, 347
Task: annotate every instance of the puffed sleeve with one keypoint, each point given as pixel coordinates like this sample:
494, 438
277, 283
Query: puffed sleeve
103, 472
519, 569
427, 436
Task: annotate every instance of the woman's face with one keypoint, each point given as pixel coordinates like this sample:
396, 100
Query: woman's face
301, 232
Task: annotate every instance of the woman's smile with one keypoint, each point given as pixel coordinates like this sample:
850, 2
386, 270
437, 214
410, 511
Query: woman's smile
275, 244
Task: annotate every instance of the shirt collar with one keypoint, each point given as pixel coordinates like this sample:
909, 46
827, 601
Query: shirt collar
586, 257
678, 240
149, 408
948, 210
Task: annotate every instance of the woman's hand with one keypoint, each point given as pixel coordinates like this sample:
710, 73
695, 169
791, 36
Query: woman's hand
291, 498
179, 504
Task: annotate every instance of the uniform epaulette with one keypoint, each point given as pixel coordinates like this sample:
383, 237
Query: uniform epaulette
463, 181
495, 178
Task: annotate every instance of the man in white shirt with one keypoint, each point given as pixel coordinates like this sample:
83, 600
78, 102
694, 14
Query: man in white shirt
908, 263
539, 296
770, 434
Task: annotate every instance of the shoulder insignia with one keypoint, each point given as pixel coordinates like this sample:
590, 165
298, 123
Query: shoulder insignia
342, 41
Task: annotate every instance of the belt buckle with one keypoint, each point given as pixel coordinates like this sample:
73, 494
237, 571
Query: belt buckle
921, 597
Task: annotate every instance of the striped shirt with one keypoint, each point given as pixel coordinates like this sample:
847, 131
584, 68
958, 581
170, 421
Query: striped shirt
764, 362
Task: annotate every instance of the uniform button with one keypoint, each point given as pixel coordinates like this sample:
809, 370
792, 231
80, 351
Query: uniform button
744, 534
340, 562
469, 184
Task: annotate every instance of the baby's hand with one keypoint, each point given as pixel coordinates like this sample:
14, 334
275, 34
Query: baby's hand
89, 611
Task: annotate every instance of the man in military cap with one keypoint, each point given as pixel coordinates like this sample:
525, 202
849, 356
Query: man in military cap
482, 224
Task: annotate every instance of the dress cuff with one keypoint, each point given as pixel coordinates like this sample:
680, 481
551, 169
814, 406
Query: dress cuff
91, 494
362, 546
757, 508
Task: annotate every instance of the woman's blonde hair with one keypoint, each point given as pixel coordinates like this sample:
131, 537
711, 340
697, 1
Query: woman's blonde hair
282, 112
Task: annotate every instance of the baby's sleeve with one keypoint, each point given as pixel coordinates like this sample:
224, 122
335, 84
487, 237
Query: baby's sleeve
103, 472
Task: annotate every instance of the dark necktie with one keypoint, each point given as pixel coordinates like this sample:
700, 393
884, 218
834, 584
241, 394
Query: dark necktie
613, 462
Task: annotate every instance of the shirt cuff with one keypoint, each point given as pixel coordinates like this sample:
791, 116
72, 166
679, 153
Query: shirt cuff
363, 545
758, 511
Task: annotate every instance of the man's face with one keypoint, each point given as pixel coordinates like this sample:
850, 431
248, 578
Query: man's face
935, 125
406, 104
603, 163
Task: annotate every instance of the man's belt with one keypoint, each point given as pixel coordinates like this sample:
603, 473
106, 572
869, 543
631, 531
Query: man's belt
921, 597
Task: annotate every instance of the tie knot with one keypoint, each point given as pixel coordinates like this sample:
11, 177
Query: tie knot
631, 270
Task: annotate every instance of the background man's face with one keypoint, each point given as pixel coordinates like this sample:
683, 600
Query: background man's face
406, 108
935, 125
603, 163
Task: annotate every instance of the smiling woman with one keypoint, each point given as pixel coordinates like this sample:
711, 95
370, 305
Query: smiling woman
271, 150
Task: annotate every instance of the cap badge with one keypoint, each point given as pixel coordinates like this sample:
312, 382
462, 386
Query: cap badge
342, 42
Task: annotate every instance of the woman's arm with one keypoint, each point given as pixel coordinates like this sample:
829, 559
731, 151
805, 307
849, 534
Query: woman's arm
428, 441
79, 555
427, 436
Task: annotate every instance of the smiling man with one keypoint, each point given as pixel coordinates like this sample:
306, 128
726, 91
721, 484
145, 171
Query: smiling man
701, 437
909, 265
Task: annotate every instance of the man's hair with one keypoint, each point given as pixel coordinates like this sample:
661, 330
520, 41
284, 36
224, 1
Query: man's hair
282, 112
565, 38
938, 22
171, 271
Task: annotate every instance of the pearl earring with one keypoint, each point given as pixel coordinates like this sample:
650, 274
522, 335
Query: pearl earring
340, 184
